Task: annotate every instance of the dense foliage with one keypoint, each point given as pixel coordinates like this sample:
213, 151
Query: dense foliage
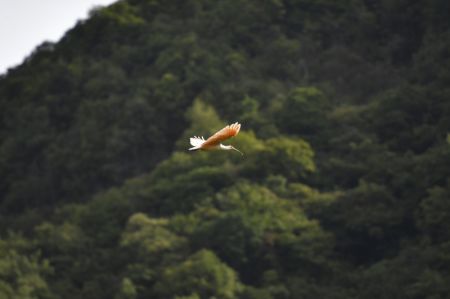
343, 192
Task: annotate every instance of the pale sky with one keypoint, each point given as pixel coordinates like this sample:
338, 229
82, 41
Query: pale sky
25, 24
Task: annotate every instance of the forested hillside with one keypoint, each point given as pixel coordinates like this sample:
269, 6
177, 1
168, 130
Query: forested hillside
343, 191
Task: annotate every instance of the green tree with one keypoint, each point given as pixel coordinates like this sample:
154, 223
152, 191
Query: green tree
303, 112
150, 236
202, 274
22, 275
434, 215
127, 290
257, 231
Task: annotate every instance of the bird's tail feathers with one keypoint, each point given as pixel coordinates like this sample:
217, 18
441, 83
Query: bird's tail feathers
196, 142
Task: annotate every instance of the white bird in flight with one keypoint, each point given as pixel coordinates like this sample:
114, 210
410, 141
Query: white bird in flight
214, 142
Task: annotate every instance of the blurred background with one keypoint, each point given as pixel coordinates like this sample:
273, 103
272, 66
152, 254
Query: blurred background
343, 191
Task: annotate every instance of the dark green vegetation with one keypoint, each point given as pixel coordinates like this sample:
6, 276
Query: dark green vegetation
343, 191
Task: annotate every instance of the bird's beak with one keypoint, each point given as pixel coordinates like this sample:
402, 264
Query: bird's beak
237, 150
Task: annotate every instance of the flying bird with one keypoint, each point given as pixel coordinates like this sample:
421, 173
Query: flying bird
214, 142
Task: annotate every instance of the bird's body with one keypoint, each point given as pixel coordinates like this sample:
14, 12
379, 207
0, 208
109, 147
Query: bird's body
214, 142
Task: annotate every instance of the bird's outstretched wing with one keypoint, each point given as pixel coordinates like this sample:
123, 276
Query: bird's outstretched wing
227, 132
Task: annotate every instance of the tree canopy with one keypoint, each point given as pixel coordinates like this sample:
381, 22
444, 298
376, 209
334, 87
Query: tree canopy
343, 191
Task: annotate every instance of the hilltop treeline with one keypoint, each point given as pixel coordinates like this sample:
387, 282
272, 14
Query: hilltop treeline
343, 191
